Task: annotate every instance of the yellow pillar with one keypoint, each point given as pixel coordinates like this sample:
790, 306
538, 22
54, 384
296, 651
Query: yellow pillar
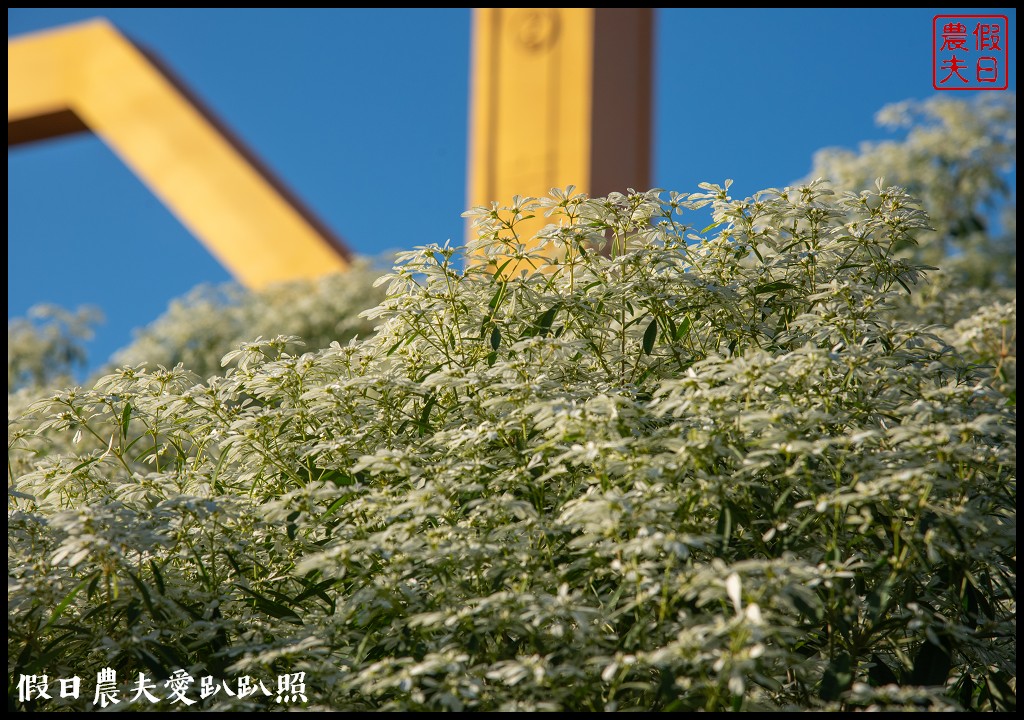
90, 77
559, 96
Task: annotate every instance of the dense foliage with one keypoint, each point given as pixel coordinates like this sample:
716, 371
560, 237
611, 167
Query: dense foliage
199, 328
958, 160
46, 348
669, 470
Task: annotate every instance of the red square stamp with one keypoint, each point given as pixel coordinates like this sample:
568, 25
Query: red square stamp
970, 52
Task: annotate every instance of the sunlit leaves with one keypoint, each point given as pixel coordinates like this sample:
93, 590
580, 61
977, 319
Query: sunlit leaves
668, 471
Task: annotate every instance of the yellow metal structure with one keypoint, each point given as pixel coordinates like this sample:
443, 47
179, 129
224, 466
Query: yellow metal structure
560, 96
90, 77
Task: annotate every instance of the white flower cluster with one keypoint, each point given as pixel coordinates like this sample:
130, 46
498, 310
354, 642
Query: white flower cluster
667, 470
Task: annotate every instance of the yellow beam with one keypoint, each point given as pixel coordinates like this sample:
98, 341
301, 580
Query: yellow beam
90, 77
559, 96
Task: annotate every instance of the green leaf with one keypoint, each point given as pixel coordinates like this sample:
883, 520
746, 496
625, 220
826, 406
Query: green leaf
650, 335
811, 610
215, 479
424, 421
59, 610
878, 600
159, 578
331, 475
394, 347
932, 662
1003, 697
501, 268
151, 661
126, 416
724, 529
966, 694
169, 654
317, 589
774, 287
837, 678
781, 501
495, 339
291, 528
270, 607
881, 674
545, 320
496, 298
277, 610
683, 329
334, 507
83, 464
154, 612
153, 450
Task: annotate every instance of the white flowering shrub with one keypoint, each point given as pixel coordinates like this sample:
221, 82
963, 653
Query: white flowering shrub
960, 160
667, 471
198, 329
46, 348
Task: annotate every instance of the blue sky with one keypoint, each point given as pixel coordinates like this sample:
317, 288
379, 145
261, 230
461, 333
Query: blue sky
363, 114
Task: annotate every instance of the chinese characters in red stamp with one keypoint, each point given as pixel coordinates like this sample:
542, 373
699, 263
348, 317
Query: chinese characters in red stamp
970, 52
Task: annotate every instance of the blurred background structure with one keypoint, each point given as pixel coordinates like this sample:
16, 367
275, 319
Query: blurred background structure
90, 77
